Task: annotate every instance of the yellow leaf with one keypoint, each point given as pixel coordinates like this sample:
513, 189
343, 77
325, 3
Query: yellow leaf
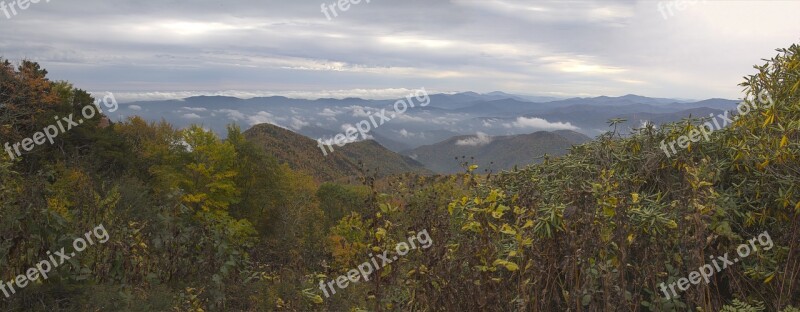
769, 278
380, 234
472, 226
497, 214
635, 197
529, 223
511, 266
492, 196
768, 121
764, 164
672, 224
507, 230
784, 141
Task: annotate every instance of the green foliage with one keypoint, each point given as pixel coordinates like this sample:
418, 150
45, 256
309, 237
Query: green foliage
198, 223
738, 306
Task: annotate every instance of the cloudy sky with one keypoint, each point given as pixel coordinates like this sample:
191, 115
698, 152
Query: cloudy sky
143, 49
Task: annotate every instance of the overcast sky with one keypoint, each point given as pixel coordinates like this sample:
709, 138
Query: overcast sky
172, 48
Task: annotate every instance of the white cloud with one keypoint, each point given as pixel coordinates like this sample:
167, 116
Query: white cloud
327, 112
232, 114
135, 107
405, 133
359, 111
407, 117
191, 116
297, 123
347, 126
541, 124
261, 117
479, 139
195, 109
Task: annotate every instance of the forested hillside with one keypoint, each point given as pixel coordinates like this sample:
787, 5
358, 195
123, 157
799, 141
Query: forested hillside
339, 164
196, 222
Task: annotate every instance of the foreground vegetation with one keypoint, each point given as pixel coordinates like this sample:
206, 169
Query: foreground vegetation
200, 223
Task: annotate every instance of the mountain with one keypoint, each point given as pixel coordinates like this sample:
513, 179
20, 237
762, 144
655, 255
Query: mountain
576, 138
304, 154
501, 107
592, 119
447, 115
529, 98
495, 153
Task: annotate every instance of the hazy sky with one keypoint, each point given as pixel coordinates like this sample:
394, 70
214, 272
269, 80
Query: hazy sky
170, 48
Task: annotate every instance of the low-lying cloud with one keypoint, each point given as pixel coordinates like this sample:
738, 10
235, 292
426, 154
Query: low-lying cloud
479, 139
541, 124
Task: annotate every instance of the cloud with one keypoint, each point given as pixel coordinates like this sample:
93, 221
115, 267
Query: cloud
541, 124
191, 116
232, 114
176, 49
478, 140
327, 112
347, 126
135, 107
297, 123
360, 111
195, 109
261, 117
410, 118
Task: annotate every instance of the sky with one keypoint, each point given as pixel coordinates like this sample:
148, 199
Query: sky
147, 49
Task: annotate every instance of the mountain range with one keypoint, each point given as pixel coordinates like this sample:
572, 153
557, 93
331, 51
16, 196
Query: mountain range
495, 130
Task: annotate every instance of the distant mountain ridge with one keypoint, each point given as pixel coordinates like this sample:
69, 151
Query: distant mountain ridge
495, 113
495, 153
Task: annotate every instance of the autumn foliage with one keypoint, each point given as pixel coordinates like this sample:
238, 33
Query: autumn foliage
200, 222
